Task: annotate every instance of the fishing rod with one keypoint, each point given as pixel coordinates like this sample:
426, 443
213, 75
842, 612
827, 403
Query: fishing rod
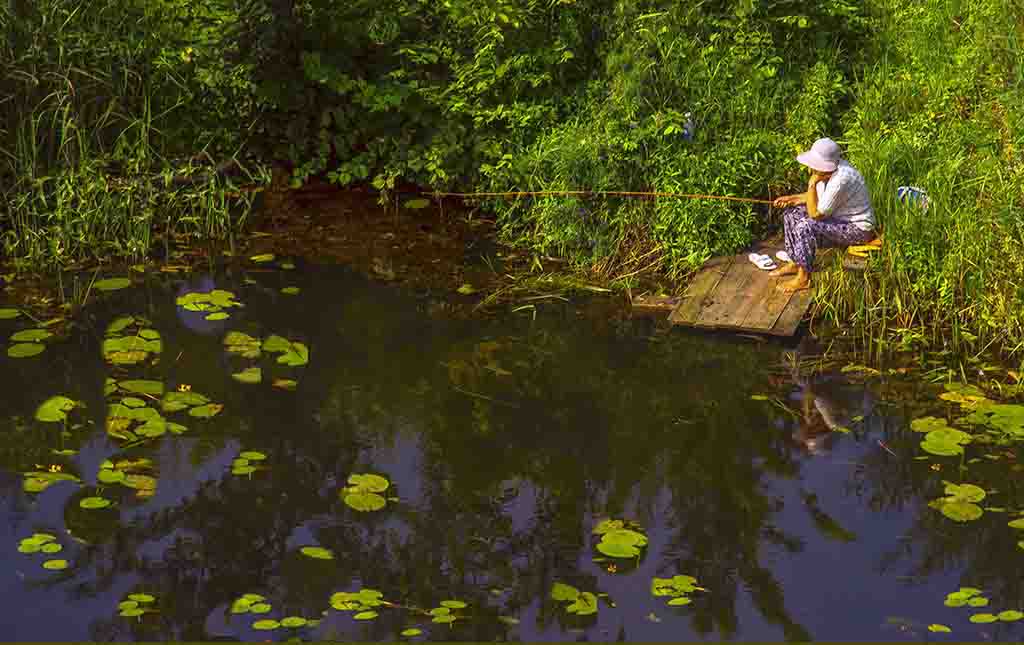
592, 193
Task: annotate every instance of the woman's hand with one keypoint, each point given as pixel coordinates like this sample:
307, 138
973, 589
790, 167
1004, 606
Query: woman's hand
780, 202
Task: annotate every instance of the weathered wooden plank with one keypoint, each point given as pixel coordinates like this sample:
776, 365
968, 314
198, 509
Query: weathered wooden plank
731, 290
793, 314
704, 283
764, 316
758, 288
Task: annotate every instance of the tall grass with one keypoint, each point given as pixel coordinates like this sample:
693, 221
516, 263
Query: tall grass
83, 145
941, 109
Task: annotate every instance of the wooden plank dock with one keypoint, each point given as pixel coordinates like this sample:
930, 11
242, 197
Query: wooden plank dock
730, 293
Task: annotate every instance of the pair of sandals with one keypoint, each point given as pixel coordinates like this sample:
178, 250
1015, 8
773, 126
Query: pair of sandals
765, 262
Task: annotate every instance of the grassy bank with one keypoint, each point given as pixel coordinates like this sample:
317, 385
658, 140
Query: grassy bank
542, 95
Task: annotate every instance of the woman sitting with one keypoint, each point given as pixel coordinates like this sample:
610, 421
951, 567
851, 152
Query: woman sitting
835, 211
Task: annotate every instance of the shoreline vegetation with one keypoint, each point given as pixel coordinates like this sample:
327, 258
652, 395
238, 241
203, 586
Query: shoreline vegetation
116, 112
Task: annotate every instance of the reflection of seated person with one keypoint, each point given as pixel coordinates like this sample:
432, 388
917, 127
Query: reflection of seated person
836, 403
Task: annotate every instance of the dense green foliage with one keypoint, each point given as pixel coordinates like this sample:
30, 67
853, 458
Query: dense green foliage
541, 95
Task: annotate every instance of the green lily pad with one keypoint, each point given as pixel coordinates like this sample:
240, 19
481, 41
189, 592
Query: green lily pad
139, 386
942, 629
412, 631
317, 552
1017, 524
51, 548
31, 335
175, 401
206, 411
37, 481
440, 611
965, 492
25, 350
584, 605
112, 284
241, 606
94, 502
1010, 615
55, 409
366, 615
6, 313
453, 604
132, 613
942, 449
287, 265
978, 602
297, 356
608, 525
266, 625
218, 315
961, 511
55, 565
681, 600
563, 592
275, 344
618, 550
243, 470
120, 324
416, 204
444, 620
127, 604
364, 502
250, 375
263, 257
252, 455
142, 597
466, 289
290, 291
110, 476
369, 483
983, 618
260, 608
293, 622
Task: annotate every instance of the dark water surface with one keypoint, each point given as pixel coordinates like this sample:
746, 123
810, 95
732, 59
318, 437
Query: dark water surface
505, 441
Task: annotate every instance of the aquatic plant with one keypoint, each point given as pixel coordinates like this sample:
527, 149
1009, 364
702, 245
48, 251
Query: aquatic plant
213, 302
677, 588
620, 538
247, 462
136, 605
362, 603
959, 502
364, 492
580, 603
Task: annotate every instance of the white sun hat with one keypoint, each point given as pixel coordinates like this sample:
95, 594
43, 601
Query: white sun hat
824, 155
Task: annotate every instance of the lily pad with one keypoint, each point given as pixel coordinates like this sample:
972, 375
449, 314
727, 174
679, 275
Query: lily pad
55, 565
466, 289
94, 502
31, 335
243, 344
218, 315
369, 482
250, 375
112, 284
584, 605
252, 455
293, 622
412, 631
965, 492
260, 608
942, 629
364, 502
51, 548
1017, 524
266, 625
206, 411
285, 383
978, 602
55, 409
262, 258
1010, 615
6, 313
25, 350
983, 618
142, 597
453, 604
317, 552
290, 291
416, 204
120, 324
155, 388
275, 343
563, 592
175, 401
366, 615
297, 356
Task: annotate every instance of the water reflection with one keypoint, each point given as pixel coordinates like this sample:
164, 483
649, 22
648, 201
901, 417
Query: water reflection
506, 442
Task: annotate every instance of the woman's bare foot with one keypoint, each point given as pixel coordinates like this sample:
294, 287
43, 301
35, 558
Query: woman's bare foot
788, 268
799, 283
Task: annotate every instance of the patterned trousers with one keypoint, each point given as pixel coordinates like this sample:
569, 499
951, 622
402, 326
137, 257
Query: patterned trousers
805, 235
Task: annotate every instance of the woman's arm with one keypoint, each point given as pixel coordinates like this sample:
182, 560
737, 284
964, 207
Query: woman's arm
811, 197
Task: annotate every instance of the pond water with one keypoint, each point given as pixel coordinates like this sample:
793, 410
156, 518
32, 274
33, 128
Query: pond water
503, 443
